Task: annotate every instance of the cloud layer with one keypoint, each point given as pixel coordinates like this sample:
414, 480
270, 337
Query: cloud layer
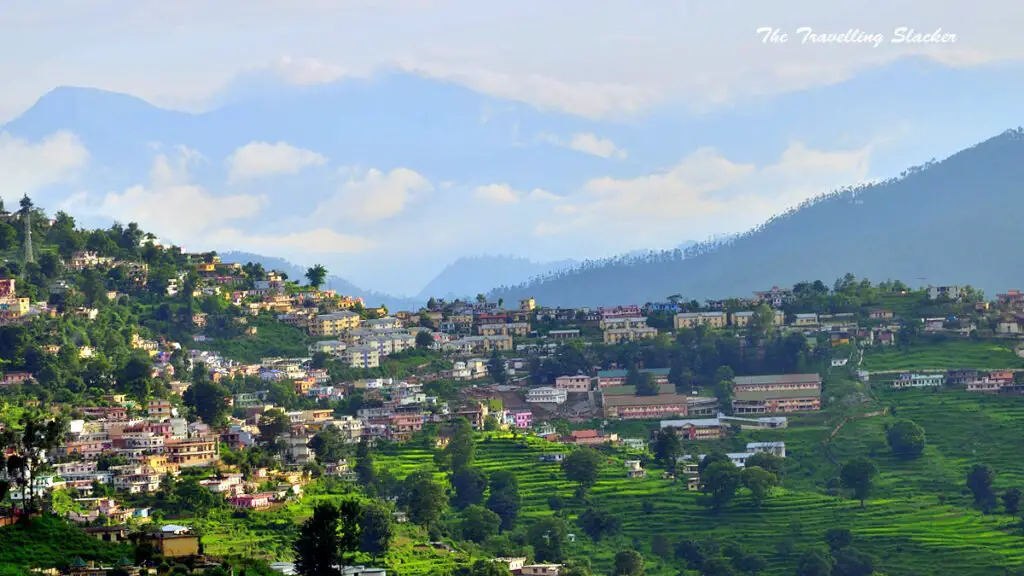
592, 59
260, 159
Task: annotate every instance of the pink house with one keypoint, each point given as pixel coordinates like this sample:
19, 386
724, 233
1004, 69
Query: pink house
524, 418
251, 501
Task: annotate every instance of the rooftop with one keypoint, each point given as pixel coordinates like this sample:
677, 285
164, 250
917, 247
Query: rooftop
748, 395
659, 400
777, 379
631, 390
622, 373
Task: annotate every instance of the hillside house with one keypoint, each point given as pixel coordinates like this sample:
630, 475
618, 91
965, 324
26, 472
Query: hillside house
775, 297
808, 320
1012, 301
620, 335
697, 429
776, 393
742, 318
952, 292
546, 395
634, 469
629, 311
880, 314
622, 323
694, 319
575, 384
644, 407
915, 380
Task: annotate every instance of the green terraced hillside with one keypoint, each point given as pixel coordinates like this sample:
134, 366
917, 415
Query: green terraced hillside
945, 355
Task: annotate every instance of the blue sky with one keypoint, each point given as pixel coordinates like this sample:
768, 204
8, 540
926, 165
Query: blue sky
549, 130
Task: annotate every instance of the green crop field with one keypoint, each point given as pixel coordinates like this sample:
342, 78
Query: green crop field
945, 355
917, 521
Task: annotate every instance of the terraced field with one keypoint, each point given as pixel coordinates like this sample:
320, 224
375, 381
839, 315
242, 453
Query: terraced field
908, 534
946, 355
917, 522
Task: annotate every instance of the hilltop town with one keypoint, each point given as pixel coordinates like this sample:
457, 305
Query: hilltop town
163, 408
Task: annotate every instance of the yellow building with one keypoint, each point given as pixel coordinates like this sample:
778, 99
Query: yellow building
527, 305
742, 319
362, 357
620, 335
694, 319
520, 329
334, 324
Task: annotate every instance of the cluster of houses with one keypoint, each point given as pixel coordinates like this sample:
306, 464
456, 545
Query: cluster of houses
751, 395
972, 380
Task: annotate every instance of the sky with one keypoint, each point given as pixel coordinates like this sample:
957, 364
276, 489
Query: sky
591, 127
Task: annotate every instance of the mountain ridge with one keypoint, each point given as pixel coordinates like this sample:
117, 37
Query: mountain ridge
917, 220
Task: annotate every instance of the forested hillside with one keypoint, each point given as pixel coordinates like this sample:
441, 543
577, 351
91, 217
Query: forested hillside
943, 223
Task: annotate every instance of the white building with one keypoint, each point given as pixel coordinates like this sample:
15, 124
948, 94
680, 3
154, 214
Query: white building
909, 380
773, 448
546, 395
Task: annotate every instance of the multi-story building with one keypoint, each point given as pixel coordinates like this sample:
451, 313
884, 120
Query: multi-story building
195, 451
805, 320
577, 383
694, 319
350, 428
776, 393
386, 323
518, 329
334, 323
474, 344
912, 380
403, 425
620, 335
609, 378
775, 297
546, 395
622, 322
697, 429
362, 357
742, 318
630, 311
631, 407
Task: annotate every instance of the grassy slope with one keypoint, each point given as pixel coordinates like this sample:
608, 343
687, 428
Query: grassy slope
906, 524
271, 339
949, 354
48, 541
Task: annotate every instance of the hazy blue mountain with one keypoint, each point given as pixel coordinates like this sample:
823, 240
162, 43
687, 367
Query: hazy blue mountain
467, 277
342, 286
950, 222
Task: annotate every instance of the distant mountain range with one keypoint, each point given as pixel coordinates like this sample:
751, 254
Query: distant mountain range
467, 277
296, 272
950, 222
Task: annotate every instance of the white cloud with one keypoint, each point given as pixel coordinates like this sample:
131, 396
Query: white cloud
590, 144
704, 190
316, 241
587, 58
373, 195
29, 166
173, 207
306, 71
505, 194
588, 99
586, 143
501, 193
259, 159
